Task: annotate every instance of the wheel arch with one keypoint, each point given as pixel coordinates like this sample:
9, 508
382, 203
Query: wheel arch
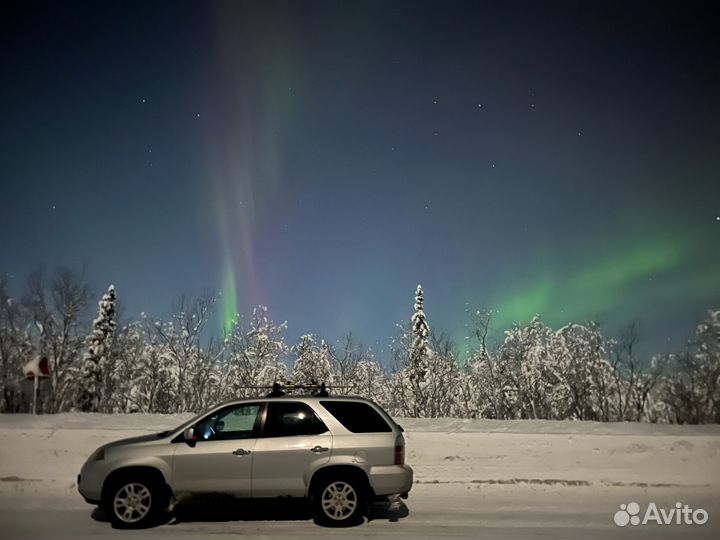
143, 471
346, 471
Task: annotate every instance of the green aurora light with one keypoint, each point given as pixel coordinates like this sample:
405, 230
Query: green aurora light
631, 275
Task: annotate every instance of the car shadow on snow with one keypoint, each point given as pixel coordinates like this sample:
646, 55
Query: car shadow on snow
218, 508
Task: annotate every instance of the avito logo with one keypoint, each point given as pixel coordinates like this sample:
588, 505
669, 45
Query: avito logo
629, 514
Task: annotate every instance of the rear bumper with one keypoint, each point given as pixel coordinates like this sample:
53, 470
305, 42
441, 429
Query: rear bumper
391, 479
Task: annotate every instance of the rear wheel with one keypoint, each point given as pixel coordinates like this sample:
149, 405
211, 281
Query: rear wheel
135, 503
339, 502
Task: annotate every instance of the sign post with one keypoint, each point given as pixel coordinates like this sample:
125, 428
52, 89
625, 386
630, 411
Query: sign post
35, 370
35, 394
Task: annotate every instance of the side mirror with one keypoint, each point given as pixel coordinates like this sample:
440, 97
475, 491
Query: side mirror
189, 434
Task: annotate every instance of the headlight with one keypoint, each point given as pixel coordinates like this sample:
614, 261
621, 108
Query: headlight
97, 455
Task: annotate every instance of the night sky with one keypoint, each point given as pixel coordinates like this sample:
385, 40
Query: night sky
323, 158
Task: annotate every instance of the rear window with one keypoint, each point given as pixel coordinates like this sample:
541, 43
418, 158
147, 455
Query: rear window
357, 417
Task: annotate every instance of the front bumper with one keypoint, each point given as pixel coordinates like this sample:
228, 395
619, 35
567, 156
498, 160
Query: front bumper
88, 500
90, 481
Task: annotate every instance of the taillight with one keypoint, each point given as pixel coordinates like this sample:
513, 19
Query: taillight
399, 451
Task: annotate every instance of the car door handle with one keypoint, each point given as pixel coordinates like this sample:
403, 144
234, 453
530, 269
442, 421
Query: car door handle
240, 452
318, 449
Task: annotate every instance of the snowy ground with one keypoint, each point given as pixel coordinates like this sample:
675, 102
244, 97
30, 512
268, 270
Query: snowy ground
473, 479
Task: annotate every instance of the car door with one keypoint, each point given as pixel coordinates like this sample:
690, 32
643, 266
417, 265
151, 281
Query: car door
219, 459
293, 442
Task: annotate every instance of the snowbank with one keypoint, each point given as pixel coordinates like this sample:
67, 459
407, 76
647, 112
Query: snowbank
455, 425
41, 456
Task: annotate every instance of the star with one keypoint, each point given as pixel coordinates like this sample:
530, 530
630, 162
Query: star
579, 133
144, 100
479, 105
434, 101
717, 218
493, 165
53, 207
197, 115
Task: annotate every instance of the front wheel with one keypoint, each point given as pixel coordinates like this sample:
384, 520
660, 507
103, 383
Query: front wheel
339, 503
135, 503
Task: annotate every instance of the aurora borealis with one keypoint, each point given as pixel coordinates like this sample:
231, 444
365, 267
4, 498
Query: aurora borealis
322, 158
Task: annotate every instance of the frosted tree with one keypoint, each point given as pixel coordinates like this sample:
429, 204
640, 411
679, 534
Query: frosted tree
426, 376
478, 393
554, 374
312, 361
97, 359
345, 356
15, 347
442, 378
370, 381
147, 370
254, 355
419, 357
587, 383
55, 310
530, 379
692, 394
190, 366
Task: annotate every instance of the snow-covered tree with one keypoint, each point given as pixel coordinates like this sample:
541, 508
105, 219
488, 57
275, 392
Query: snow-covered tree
97, 359
181, 341
254, 355
16, 347
526, 357
692, 393
144, 375
55, 310
345, 356
418, 362
442, 378
420, 332
584, 373
312, 361
369, 380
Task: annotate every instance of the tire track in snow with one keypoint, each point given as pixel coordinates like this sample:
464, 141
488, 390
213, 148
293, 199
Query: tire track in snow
562, 482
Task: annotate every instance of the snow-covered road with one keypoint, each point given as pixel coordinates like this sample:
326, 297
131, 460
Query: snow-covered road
474, 479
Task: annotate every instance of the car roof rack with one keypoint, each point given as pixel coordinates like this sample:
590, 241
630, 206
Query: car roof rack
314, 388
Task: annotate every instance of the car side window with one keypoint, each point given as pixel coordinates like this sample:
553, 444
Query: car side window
234, 422
357, 417
287, 419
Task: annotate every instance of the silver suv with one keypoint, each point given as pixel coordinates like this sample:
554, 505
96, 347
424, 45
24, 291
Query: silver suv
340, 452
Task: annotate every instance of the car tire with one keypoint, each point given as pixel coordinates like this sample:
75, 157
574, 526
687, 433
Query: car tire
339, 502
136, 502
